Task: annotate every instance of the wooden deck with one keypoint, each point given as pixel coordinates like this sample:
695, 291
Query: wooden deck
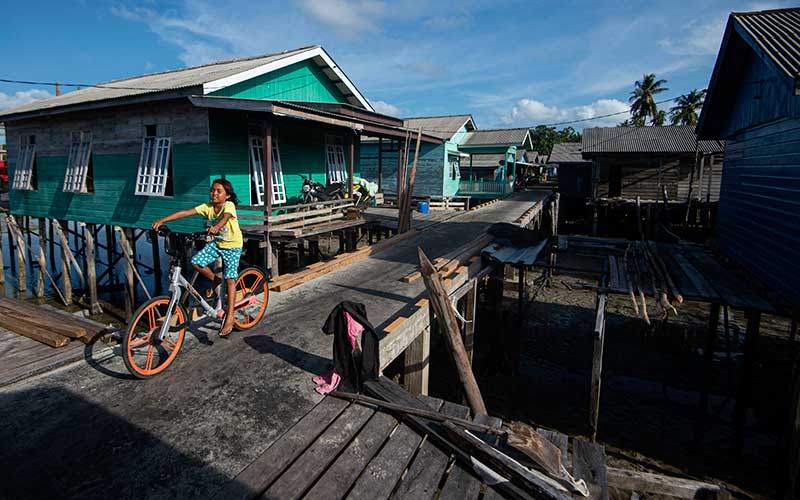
348, 450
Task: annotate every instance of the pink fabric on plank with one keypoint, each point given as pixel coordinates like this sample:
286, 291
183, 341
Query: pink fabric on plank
329, 387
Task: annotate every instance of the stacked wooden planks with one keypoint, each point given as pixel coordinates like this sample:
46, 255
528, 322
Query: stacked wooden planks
53, 328
288, 281
451, 261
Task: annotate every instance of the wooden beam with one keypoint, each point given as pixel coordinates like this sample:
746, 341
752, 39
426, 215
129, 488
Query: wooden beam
266, 165
351, 147
599, 335
380, 164
417, 364
91, 271
444, 312
646, 482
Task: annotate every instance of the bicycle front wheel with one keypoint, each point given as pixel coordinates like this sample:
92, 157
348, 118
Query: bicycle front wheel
144, 354
252, 296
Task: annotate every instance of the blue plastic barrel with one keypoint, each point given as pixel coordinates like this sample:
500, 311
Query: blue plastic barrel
423, 207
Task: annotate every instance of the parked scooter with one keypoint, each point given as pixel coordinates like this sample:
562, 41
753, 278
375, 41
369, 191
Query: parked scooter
312, 192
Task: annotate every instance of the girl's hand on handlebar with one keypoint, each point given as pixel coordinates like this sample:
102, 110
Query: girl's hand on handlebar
157, 224
213, 229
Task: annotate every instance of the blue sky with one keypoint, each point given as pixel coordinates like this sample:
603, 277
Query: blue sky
509, 63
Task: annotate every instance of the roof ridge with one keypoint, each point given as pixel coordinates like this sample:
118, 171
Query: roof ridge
767, 11
496, 129
436, 116
216, 63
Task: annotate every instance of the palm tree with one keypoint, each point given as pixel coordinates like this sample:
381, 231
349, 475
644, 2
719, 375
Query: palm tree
642, 103
686, 106
636, 121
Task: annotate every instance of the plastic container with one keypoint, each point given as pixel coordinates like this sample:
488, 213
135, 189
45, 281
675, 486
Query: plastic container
422, 207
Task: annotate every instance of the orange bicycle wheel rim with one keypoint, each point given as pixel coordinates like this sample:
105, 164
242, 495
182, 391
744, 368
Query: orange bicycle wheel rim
145, 358
250, 285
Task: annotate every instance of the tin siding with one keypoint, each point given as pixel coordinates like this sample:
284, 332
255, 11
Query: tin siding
430, 167
759, 210
303, 81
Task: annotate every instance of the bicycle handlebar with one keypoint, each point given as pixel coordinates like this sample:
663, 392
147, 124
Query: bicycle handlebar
165, 231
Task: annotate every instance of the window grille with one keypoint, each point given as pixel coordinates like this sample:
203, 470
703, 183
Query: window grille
257, 171
154, 161
334, 159
455, 166
80, 154
23, 173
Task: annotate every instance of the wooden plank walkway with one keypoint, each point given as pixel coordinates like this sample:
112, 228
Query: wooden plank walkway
346, 450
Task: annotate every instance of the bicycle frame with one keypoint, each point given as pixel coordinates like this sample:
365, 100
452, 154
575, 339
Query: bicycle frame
176, 285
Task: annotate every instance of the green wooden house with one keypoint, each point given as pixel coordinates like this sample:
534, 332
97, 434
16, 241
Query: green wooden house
492, 161
130, 151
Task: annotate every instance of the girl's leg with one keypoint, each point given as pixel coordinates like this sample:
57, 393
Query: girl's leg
230, 296
208, 274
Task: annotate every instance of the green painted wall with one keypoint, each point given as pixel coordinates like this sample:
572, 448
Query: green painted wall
303, 81
449, 185
113, 200
302, 151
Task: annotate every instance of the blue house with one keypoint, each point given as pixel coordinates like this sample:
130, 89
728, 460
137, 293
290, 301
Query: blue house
753, 102
492, 165
438, 167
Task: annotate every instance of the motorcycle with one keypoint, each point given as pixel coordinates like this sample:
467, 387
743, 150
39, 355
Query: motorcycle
312, 192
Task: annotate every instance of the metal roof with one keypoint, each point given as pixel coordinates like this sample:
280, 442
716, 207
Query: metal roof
672, 139
512, 255
200, 79
501, 136
486, 160
777, 32
566, 152
443, 127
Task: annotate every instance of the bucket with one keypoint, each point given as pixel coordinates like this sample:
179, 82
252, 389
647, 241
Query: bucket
422, 207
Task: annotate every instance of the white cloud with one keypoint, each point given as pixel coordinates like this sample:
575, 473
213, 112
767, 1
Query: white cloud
385, 108
23, 97
345, 17
530, 112
696, 38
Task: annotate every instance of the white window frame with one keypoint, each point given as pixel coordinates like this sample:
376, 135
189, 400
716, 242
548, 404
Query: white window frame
153, 172
80, 155
454, 163
23, 171
257, 171
335, 163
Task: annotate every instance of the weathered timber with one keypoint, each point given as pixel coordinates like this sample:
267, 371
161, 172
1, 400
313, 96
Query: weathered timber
441, 305
589, 464
257, 476
645, 482
91, 271
599, 338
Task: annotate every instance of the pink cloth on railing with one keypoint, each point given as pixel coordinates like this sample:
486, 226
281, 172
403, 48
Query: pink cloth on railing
354, 329
330, 380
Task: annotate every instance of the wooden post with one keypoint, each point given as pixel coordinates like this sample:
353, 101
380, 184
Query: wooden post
597, 362
91, 270
11, 250
417, 366
157, 278
470, 304
2, 265
380, 164
67, 251
746, 377
266, 165
14, 229
708, 360
440, 302
41, 257
351, 146
710, 177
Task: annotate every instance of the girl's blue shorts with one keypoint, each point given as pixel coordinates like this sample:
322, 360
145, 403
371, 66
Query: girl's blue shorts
230, 259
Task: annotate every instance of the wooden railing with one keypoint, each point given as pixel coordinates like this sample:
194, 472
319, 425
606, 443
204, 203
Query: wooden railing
294, 218
483, 187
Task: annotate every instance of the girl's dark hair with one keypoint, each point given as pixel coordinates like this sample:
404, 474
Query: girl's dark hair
226, 185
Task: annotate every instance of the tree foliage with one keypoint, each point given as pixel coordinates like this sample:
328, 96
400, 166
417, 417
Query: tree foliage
642, 99
544, 137
686, 107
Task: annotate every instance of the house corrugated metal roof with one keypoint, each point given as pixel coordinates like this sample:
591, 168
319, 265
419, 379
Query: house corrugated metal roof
502, 136
157, 82
672, 139
777, 32
486, 160
566, 152
443, 127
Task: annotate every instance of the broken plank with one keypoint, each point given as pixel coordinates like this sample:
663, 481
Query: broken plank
646, 482
296, 480
257, 476
460, 485
559, 440
589, 464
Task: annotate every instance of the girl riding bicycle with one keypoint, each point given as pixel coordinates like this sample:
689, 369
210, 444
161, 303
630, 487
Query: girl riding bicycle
227, 244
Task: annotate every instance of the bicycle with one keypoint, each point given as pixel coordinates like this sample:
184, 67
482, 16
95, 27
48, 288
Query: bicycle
155, 334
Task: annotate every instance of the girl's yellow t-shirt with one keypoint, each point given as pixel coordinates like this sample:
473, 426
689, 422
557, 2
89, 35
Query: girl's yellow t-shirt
229, 236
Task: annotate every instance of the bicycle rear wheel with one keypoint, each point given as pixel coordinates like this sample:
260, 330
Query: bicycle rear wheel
252, 296
144, 355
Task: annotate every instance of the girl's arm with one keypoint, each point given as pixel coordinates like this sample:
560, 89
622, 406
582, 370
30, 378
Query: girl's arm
219, 225
175, 216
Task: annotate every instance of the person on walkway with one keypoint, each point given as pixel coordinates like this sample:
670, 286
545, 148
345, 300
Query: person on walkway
227, 244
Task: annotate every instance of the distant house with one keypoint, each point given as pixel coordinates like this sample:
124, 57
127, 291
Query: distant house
131, 151
488, 150
574, 172
643, 161
753, 103
438, 167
